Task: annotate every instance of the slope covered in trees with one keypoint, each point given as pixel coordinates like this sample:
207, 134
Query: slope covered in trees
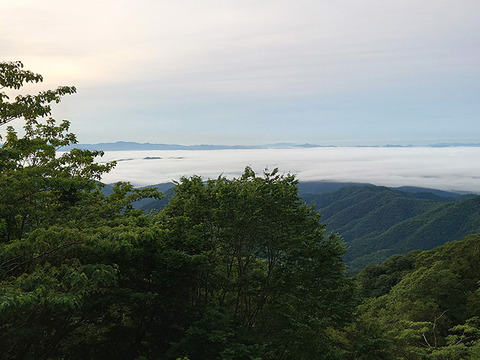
377, 222
433, 228
367, 210
424, 305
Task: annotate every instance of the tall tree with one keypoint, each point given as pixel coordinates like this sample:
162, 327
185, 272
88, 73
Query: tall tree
265, 268
60, 237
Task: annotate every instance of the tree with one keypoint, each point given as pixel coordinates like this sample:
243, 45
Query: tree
268, 280
29, 107
61, 247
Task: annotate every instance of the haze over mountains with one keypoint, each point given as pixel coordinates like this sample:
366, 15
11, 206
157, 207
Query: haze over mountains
129, 145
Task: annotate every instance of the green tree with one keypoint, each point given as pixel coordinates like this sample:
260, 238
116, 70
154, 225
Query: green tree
268, 280
62, 242
29, 107
432, 310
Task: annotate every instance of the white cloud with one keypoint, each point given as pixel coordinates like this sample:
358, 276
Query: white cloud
442, 168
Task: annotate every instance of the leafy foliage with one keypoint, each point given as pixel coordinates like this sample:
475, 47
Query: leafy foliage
267, 271
51, 214
377, 222
432, 312
29, 107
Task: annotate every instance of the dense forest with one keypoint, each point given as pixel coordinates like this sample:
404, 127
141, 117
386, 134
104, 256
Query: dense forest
237, 268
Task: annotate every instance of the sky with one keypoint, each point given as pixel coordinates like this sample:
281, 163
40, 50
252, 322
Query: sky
328, 72
451, 169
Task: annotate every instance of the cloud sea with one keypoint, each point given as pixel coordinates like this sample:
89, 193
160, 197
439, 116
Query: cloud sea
453, 168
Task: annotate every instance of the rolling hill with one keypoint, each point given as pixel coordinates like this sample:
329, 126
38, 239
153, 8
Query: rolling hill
377, 222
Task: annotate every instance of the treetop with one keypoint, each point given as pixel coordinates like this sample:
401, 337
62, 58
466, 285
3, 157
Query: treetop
29, 107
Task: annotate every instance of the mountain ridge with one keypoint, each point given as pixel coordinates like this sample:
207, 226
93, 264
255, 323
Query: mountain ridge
131, 145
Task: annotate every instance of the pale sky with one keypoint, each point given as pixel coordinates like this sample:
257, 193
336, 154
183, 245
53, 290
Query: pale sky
249, 72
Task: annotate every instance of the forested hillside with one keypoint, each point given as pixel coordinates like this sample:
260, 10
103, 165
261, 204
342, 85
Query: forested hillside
358, 211
424, 305
377, 222
425, 231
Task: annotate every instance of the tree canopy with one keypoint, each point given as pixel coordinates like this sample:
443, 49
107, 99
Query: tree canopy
270, 274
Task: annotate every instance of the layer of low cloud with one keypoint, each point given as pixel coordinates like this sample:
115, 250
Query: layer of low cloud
441, 168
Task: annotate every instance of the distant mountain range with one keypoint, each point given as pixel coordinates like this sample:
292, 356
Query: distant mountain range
126, 146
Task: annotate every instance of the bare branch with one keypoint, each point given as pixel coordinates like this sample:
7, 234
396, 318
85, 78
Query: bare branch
425, 338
